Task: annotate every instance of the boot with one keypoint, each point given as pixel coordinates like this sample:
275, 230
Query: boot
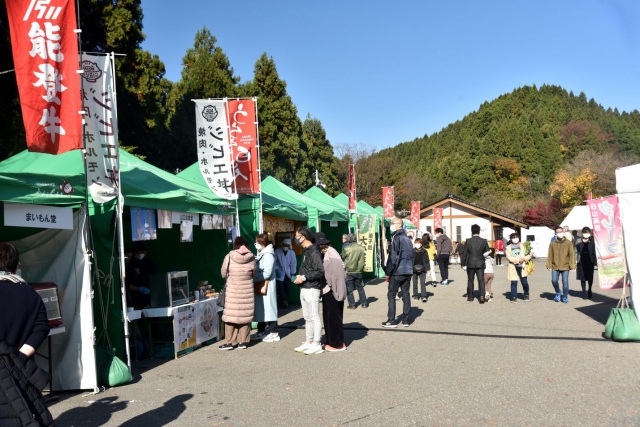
590, 293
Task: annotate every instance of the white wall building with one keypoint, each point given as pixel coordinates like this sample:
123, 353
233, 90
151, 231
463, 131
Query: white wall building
458, 216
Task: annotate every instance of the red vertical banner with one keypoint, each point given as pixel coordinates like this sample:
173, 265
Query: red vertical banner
352, 188
45, 56
243, 137
437, 218
388, 202
415, 214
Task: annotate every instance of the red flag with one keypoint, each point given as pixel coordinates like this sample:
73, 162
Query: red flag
352, 188
243, 136
437, 218
415, 214
387, 202
45, 56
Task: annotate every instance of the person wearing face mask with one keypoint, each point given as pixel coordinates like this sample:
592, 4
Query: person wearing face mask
353, 256
444, 247
560, 260
310, 278
399, 269
266, 305
138, 274
286, 265
420, 268
514, 252
586, 261
334, 293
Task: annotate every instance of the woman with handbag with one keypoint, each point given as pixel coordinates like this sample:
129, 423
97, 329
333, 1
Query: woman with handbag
586, 261
264, 280
515, 254
420, 268
238, 268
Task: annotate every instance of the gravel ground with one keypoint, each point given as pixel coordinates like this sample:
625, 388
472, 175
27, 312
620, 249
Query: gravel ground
458, 363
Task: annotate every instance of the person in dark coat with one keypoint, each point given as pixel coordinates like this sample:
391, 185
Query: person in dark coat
420, 269
399, 269
586, 261
473, 262
138, 277
23, 328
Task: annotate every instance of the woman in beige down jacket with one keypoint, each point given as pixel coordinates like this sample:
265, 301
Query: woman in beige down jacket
238, 268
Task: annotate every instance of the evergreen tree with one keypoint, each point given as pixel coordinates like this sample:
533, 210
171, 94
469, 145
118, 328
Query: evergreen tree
206, 73
279, 126
318, 154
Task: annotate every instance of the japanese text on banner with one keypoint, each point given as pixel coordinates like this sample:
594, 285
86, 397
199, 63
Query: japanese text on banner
607, 233
352, 188
243, 136
388, 202
366, 237
45, 56
213, 147
101, 131
415, 214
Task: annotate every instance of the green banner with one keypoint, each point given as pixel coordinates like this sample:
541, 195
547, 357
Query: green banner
366, 237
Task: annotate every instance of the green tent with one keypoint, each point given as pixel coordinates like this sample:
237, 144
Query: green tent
316, 210
332, 229
43, 179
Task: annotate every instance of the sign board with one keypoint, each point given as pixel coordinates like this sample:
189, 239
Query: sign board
38, 216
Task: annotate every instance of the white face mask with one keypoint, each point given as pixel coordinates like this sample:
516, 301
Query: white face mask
417, 246
586, 235
392, 228
515, 240
259, 247
560, 235
139, 256
285, 249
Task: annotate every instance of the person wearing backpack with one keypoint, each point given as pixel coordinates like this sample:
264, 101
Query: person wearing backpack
420, 268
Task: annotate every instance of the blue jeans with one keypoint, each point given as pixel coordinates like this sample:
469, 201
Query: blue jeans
514, 284
399, 282
555, 275
354, 281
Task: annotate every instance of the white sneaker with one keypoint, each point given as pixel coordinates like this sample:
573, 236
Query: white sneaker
313, 349
271, 338
305, 345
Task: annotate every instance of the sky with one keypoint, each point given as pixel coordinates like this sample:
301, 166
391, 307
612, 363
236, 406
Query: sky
380, 73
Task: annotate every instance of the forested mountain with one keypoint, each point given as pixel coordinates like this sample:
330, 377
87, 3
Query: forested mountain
530, 154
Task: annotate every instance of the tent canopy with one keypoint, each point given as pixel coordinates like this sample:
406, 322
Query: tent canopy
271, 204
41, 178
317, 194
577, 218
326, 212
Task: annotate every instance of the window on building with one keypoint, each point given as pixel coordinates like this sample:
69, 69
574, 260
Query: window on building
429, 229
458, 233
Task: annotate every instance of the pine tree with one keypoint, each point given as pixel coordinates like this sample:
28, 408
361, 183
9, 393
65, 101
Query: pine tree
318, 154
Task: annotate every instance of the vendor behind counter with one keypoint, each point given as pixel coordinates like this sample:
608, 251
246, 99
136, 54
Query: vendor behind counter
138, 272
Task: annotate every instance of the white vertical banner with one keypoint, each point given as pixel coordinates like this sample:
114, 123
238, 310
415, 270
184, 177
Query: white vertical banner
214, 151
101, 128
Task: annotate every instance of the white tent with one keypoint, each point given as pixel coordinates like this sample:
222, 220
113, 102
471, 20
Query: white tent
628, 187
578, 218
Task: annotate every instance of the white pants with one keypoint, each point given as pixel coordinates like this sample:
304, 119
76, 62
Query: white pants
432, 271
310, 300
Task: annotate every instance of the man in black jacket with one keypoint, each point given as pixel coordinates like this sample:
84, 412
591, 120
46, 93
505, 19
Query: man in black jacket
311, 279
399, 270
473, 262
23, 327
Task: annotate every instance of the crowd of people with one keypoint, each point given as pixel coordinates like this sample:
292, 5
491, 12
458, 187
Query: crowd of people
330, 278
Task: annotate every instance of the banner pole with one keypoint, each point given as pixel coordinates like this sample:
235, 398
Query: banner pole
260, 213
233, 165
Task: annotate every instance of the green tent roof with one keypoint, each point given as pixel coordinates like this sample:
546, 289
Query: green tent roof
342, 199
37, 178
271, 205
317, 194
325, 212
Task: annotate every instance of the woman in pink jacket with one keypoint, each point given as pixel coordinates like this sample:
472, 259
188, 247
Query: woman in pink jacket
238, 268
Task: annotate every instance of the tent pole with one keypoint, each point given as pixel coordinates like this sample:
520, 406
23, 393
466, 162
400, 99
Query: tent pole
119, 209
260, 215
